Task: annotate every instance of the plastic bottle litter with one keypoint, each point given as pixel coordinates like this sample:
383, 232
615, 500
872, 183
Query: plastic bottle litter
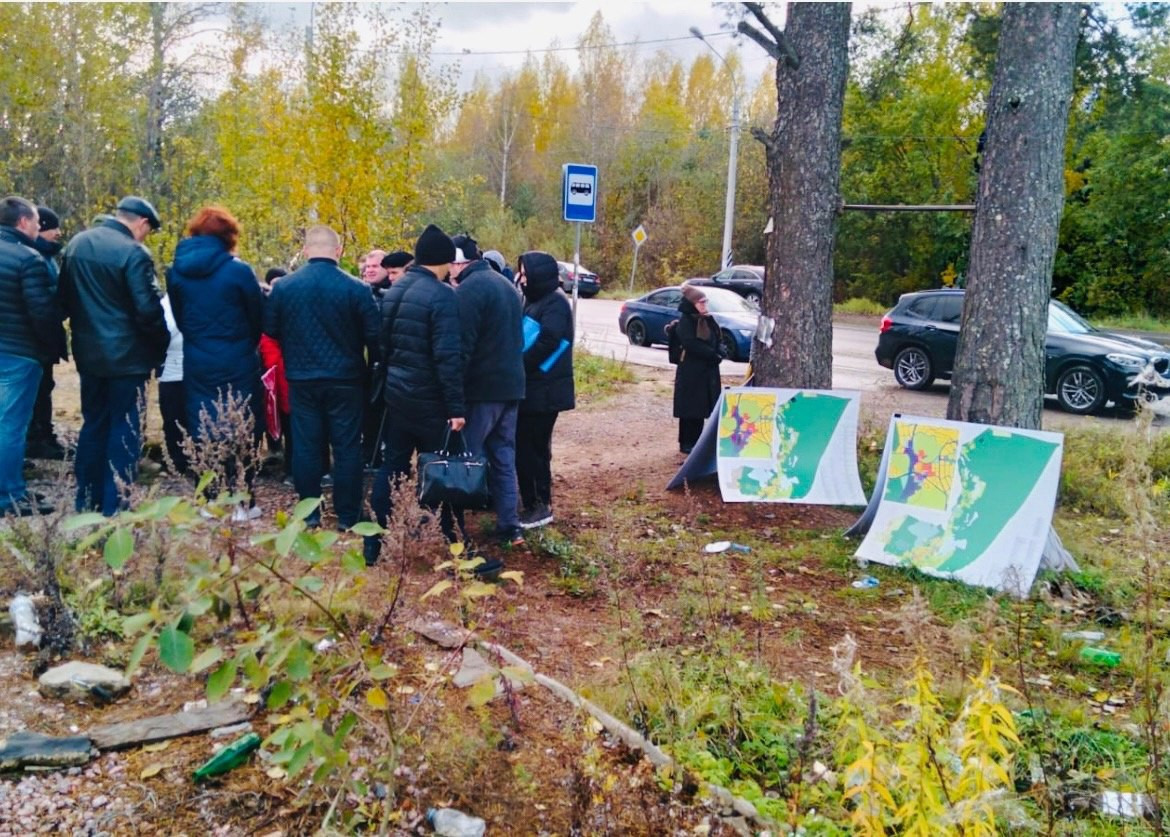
723, 546
1084, 636
230, 757
866, 582
1100, 657
24, 620
451, 823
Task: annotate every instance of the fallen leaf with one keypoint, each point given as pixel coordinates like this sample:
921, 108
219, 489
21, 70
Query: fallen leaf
405, 690
251, 697
275, 773
157, 747
654, 612
150, 770
431, 667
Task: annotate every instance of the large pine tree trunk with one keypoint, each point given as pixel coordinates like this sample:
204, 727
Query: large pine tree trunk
999, 365
804, 167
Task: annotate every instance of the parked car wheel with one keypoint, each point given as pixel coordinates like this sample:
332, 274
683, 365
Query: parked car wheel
728, 346
636, 332
1080, 389
913, 369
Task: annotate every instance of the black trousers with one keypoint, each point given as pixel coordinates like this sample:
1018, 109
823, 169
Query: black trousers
534, 457
328, 413
403, 438
40, 427
689, 431
172, 403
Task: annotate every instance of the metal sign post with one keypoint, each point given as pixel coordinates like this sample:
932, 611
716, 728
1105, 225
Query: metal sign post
579, 201
639, 236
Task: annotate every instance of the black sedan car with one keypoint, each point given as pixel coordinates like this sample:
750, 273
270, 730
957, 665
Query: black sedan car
643, 320
1084, 366
590, 285
747, 280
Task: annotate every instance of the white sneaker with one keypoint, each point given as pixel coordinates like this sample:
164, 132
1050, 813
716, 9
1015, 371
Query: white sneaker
242, 514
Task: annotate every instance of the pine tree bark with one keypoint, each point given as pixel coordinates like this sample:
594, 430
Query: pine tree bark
999, 364
804, 167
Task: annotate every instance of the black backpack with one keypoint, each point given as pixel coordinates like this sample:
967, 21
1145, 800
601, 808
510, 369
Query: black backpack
674, 347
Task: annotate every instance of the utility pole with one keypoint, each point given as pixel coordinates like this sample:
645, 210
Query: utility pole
732, 155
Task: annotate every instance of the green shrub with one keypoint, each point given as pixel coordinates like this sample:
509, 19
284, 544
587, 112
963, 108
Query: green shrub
595, 376
860, 305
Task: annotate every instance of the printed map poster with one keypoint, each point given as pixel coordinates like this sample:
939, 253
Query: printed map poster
789, 446
967, 501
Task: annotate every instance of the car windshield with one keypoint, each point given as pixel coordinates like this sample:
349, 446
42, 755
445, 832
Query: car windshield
728, 302
1064, 320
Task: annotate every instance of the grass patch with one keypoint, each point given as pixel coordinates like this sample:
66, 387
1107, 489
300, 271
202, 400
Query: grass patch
595, 376
860, 305
1136, 322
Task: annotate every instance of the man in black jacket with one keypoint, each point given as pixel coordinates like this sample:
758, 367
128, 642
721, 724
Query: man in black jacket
326, 322
490, 312
42, 441
423, 353
119, 336
30, 335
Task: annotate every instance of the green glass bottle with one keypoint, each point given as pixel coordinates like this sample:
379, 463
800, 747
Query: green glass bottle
1100, 657
230, 757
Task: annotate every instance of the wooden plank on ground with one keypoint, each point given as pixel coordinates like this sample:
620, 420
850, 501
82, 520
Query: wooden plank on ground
143, 731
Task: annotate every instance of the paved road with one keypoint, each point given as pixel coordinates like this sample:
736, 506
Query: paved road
854, 367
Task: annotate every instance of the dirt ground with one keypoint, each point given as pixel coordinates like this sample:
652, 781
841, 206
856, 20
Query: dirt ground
617, 451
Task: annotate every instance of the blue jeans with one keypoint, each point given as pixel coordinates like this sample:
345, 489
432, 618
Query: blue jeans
19, 379
328, 412
110, 443
491, 432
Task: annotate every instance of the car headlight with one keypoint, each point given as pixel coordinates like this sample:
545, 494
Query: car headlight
1128, 361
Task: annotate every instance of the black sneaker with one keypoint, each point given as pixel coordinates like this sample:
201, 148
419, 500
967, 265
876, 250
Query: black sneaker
372, 550
489, 570
25, 506
534, 518
45, 449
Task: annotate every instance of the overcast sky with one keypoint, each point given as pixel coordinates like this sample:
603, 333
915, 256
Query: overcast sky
479, 28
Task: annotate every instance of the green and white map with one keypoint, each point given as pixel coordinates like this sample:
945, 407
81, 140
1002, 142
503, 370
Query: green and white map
789, 446
966, 501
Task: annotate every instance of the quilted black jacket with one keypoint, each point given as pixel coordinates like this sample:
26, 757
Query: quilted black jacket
549, 386
325, 320
30, 318
422, 347
114, 303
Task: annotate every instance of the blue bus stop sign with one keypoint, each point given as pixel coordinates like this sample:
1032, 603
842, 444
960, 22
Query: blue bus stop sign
580, 193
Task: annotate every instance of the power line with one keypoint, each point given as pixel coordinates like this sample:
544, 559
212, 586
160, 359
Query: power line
472, 53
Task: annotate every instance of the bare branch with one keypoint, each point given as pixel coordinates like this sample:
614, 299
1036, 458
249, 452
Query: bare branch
765, 138
783, 47
760, 38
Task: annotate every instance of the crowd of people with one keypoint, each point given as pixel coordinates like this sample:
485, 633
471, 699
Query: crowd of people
350, 374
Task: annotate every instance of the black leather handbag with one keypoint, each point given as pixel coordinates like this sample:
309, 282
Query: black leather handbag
458, 479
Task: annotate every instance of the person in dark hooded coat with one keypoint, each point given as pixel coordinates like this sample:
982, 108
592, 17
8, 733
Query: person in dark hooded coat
548, 367
217, 304
696, 378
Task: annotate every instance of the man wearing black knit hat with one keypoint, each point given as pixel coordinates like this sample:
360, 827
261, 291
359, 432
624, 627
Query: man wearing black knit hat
42, 442
422, 348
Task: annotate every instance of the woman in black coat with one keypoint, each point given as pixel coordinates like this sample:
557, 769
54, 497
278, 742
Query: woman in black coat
548, 370
696, 378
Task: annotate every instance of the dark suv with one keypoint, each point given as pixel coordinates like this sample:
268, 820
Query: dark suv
1084, 367
747, 280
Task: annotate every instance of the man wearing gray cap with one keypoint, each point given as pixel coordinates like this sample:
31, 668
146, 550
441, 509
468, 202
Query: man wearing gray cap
119, 336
